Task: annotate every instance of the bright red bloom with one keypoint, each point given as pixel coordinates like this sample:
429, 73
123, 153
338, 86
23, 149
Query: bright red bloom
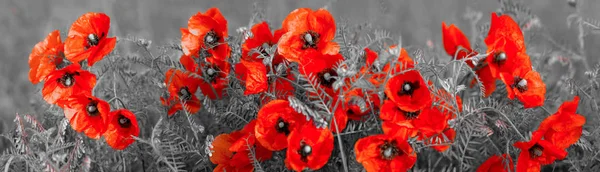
487, 79
404, 62
63, 83
214, 78
506, 46
205, 36
341, 119
454, 38
497, 163
308, 32
88, 38
222, 156
122, 124
244, 140
537, 152
309, 147
386, 152
427, 121
322, 68
275, 121
45, 57
182, 91
564, 128
442, 140
254, 73
527, 85
87, 114
409, 91
261, 38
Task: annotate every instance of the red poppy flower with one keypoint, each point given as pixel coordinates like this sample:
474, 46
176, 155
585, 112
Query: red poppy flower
506, 45
88, 38
309, 32
497, 163
122, 125
276, 120
309, 147
254, 73
404, 62
214, 78
261, 38
205, 36
356, 105
222, 156
487, 79
454, 38
537, 152
87, 114
564, 128
427, 121
182, 89
63, 83
409, 91
504, 27
45, 57
385, 152
341, 120
244, 140
527, 85
442, 140
322, 68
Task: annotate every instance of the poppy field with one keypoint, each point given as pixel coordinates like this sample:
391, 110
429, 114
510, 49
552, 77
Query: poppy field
311, 93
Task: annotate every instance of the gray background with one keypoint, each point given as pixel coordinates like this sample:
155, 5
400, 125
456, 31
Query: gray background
23, 23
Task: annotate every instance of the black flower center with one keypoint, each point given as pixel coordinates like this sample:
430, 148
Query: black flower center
388, 150
409, 115
124, 122
408, 88
93, 39
358, 102
184, 93
304, 151
211, 73
499, 57
92, 108
310, 39
282, 126
263, 49
67, 79
211, 39
520, 84
327, 77
536, 151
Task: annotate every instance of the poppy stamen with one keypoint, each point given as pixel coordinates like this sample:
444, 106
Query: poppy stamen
93, 40
263, 49
211, 39
536, 151
282, 126
388, 150
67, 80
211, 73
327, 77
408, 88
304, 151
520, 84
92, 108
124, 122
499, 57
184, 93
310, 39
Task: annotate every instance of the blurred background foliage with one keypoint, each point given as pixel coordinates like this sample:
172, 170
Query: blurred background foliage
23, 23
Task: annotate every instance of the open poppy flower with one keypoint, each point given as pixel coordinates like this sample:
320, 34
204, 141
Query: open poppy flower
275, 121
244, 140
205, 36
323, 68
182, 92
385, 152
222, 156
537, 152
309, 147
63, 83
497, 163
254, 73
308, 32
122, 124
504, 27
261, 38
527, 85
45, 57
214, 78
505, 57
87, 114
564, 128
428, 121
454, 38
88, 38
409, 91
